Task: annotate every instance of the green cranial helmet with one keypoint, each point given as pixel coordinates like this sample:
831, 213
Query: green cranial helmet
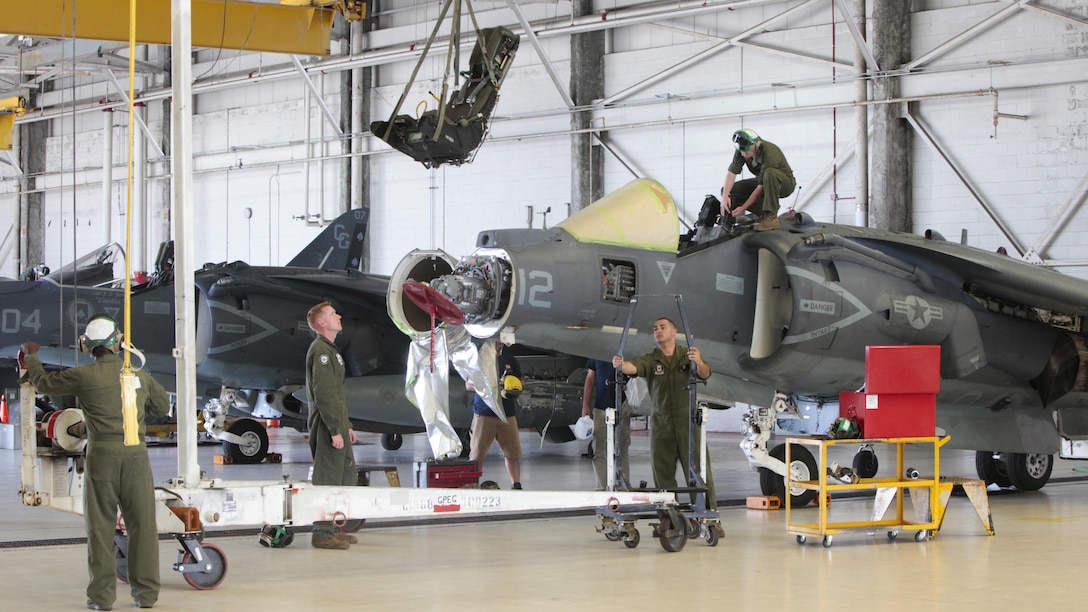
745, 139
101, 331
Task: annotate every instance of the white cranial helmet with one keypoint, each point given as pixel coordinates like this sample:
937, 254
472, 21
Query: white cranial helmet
101, 331
583, 428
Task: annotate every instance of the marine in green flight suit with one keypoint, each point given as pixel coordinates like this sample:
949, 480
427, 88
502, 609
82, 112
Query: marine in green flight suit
331, 435
117, 476
666, 371
773, 177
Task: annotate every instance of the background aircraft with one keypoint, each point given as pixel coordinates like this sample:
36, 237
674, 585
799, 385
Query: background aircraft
791, 310
252, 338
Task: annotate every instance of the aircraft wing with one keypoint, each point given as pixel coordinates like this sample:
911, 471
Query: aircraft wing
994, 275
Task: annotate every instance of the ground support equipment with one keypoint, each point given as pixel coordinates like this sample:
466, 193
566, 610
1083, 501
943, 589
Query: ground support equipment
926, 501
677, 521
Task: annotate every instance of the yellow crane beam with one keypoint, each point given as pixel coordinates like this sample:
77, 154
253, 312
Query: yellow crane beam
227, 24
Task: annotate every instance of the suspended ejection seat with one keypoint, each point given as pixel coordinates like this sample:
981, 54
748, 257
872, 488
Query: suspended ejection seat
451, 137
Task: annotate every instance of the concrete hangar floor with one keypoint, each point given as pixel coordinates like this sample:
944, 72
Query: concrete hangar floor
559, 562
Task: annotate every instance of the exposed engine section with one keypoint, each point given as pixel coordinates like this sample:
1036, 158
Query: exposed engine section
479, 286
1064, 321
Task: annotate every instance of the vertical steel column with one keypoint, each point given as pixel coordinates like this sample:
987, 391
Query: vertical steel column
184, 269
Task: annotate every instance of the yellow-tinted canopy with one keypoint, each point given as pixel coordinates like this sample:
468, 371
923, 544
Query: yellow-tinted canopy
641, 214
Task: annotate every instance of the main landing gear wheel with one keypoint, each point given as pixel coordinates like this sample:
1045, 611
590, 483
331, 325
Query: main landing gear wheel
215, 568
674, 542
1028, 471
992, 469
802, 467
254, 446
866, 463
392, 441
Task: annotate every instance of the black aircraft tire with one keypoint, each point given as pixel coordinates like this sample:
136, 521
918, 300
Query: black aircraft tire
803, 462
1028, 471
990, 470
865, 463
255, 448
392, 441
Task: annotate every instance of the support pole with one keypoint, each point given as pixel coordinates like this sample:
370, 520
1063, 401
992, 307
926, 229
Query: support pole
184, 269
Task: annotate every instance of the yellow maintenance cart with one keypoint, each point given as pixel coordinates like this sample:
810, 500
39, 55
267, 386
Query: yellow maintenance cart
929, 494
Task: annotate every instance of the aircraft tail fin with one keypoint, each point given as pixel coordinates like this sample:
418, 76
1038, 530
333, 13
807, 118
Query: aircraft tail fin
339, 246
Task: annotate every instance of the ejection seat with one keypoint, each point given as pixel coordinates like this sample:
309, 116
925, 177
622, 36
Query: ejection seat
451, 137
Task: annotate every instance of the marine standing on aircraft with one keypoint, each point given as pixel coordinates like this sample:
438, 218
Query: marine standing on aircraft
792, 310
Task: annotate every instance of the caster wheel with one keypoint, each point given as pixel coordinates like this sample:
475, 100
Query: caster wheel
921, 535
827, 541
801, 539
693, 528
892, 535
631, 541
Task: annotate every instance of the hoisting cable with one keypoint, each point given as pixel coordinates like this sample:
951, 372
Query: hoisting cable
419, 63
129, 381
453, 55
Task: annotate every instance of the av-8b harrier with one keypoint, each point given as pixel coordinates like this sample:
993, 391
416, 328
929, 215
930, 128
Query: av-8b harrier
791, 310
252, 339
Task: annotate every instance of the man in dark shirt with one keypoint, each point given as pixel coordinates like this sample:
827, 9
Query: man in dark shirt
487, 427
602, 396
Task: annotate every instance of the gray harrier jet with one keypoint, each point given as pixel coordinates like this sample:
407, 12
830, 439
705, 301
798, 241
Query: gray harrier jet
790, 310
252, 338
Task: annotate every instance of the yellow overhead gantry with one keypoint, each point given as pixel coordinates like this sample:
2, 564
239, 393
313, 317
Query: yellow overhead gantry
300, 27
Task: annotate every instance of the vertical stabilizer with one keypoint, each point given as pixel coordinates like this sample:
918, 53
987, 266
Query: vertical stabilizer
339, 246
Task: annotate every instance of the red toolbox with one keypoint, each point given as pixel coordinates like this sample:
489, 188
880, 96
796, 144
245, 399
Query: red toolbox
900, 398
453, 474
903, 369
892, 415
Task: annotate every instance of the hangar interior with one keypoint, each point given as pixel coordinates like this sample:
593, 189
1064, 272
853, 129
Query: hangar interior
967, 117
989, 99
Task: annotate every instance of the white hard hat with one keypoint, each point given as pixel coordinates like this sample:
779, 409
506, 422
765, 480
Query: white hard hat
583, 428
101, 331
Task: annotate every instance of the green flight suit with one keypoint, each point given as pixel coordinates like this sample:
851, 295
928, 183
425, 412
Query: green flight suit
116, 475
771, 169
666, 381
328, 417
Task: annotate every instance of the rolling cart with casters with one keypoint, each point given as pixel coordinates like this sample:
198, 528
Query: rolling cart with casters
678, 521
925, 492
